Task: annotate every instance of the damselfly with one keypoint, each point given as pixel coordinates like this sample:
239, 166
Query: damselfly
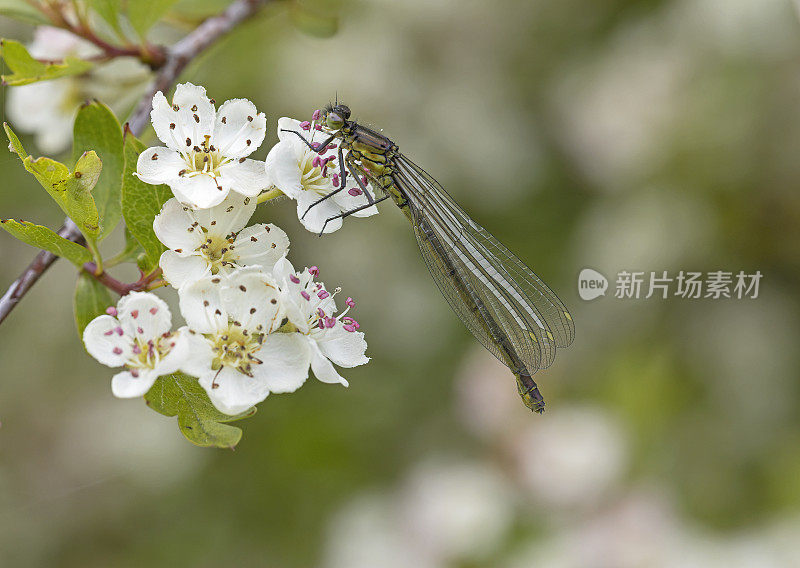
502, 302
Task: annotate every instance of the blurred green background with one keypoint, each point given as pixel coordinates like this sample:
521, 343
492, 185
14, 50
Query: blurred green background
612, 134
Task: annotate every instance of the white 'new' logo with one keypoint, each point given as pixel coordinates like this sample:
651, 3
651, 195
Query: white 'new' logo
591, 284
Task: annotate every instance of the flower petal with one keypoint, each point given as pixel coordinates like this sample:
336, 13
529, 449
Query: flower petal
165, 123
174, 226
232, 392
261, 245
199, 191
283, 169
144, 314
201, 305
125, 385
199, 363
195, 114
345, 348
314, 219
180, 351
230, 216
286, 357
251, 297
248, 177
159, 165
347, 202
324, 369
180, 270
286, 127
104, 343
297, 308
239, 129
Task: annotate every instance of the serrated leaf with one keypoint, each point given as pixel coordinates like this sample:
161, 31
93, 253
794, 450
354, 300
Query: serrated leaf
97, 128
202, 424
21, 10
141, 202
142, 14
47, 239
91, 300
28, 70
109, 11
72, 190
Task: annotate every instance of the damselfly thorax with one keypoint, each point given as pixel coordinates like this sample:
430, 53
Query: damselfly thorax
501, 301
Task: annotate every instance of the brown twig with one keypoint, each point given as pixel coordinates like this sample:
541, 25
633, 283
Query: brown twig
176, 59
183, 52
121, 288
152, 55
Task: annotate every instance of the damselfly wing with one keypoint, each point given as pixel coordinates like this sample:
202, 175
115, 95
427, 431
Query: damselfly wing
515, 315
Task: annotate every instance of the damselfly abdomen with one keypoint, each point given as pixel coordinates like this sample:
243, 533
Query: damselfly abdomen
502, 302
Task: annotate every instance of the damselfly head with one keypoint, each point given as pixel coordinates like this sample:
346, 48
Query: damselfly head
335, 116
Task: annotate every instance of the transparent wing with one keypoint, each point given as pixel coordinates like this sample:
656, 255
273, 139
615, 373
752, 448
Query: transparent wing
505, 281
486, 319
488, 311
540, 297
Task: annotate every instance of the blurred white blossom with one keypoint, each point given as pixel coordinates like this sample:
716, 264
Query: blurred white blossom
366, 534
47, 109
456, 511
638, 531
571, 456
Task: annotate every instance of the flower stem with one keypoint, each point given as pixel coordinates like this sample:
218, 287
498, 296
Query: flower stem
156, 284
98, 259
271, 194
146, 281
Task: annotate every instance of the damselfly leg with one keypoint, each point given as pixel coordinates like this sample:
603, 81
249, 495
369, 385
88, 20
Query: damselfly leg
343, 168
348, 213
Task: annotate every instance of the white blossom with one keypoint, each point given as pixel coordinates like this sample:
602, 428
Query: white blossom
311, 309
214, 241
456, 510
580, 455
206, 149
137, 335
236, 353
47, 109
306, 176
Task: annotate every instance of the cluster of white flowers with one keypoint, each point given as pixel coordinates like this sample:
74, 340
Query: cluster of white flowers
254, 324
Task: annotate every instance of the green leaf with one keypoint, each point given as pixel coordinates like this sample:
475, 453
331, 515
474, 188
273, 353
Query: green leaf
28, 70
109, 11
16, 145
96, 128
142, 14
21, 10
131, 251
91, 300
141, 202
47, 239
314, 18
72, 190
202, 424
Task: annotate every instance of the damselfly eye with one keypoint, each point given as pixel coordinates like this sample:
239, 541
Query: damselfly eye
333, 120
343, 111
